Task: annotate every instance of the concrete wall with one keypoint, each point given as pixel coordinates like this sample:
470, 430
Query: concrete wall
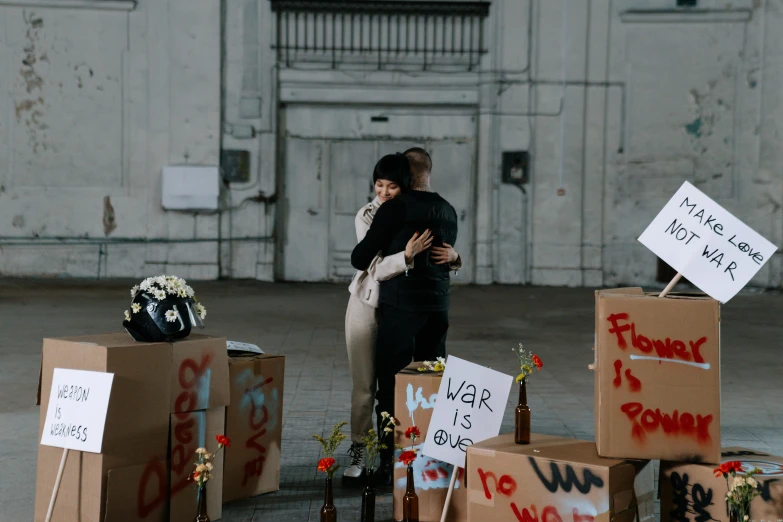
96, 98
654, 96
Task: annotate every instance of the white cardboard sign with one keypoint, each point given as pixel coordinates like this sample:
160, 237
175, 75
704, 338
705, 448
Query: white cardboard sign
77, 409
469, 409
705, 243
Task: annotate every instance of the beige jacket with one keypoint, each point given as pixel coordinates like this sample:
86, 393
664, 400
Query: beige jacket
365, 282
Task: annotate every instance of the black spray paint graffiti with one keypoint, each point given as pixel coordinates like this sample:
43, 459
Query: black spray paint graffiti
696, 501
570, 480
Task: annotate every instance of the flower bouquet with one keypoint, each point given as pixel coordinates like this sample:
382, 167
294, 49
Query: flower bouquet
327, 465
527, 362
203, 473
742, 489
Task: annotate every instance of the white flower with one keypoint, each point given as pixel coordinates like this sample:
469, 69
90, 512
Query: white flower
388, 430
136, 308
171, 316
145, 285
134, 291
209, 466
201, 451
160, 281
385, 414
189, 291
746, 518
751, 482
127, 316
201, 468
160, 295
201, 311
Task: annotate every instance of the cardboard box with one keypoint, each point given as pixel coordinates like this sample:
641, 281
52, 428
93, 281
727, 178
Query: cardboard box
415, 394
554, 479
657, 376
130, 478
693, 492
254, 423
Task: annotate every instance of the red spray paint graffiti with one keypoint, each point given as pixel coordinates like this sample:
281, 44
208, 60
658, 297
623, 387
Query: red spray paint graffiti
255, 466
152, 485
152, 488
548, 514
634, 383
664, 348
685, 423
506, 486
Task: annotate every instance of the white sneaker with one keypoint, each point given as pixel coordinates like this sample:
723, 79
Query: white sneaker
355, 470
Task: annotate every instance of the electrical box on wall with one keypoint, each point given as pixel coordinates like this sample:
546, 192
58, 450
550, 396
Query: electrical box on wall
515, 167
190, 187
235, 165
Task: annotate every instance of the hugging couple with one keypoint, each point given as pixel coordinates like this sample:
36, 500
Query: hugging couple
398, 311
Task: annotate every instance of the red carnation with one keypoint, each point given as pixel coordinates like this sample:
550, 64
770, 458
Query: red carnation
407, 457
325, 464
537, 361
223, 441
733, 466
412, 431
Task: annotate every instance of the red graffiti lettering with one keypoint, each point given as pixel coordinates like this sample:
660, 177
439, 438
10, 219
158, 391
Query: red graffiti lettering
674, 424
525, 515
664, 348
183, 443
255, 466
618, 330
618, 379
197, 370
505, 486
549, 514
634, 383
151, 494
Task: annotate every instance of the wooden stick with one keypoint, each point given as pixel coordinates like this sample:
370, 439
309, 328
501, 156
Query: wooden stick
56, 485
448, 495
671, 284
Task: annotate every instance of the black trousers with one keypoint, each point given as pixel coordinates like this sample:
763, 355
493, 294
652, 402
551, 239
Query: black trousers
405, 336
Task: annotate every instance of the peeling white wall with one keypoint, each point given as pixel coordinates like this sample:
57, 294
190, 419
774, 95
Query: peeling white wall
95, 101
652, 99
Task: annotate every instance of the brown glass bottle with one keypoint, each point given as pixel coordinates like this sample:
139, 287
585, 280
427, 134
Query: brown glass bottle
410, 502
201, 514
368, 499
522, 416
328, 511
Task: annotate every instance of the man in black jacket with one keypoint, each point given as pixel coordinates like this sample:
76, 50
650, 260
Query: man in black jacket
413, 315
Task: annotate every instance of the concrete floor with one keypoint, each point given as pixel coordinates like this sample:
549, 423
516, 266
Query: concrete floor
305, 323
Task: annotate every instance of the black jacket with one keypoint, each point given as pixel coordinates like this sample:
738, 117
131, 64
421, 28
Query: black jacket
426, 286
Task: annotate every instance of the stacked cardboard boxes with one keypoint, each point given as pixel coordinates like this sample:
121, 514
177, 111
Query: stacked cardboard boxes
555, 478
167, 399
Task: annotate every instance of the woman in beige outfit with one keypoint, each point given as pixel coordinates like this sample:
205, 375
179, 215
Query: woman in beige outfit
391, 175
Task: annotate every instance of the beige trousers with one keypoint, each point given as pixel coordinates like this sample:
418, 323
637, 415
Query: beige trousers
361, 327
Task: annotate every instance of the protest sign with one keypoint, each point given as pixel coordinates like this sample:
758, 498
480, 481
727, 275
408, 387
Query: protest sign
705, 243
77, 409
470, 406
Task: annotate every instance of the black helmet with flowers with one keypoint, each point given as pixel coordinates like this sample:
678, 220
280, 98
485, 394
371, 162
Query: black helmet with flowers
163, 308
